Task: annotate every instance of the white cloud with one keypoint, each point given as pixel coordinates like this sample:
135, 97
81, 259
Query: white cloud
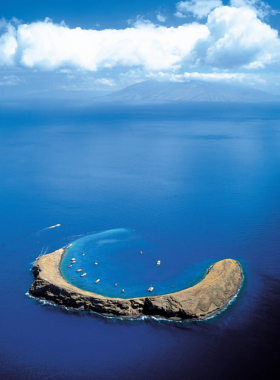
48, 46
8, 44
232, 38
161, 18
239, 39
10, 80
216, 77
65, 71
136, 76
105, 82
261, 8
180, 15
199, 8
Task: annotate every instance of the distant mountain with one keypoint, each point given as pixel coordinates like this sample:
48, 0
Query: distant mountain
193, 91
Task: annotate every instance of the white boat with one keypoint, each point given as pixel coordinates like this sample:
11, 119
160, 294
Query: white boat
56, 225
122, 290
158, 263
84, 254
116, 284
79, 270
151, 288
70, 266
96, 263
84, 274
73, 259
97, 281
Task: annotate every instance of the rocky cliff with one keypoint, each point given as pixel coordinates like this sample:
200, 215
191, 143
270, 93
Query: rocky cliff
204, 299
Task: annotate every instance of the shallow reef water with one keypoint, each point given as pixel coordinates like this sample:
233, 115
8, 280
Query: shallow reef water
121, 260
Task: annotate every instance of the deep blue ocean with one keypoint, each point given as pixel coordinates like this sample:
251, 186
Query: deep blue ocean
188, 184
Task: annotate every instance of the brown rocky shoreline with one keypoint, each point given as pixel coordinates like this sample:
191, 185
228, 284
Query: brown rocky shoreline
209, 296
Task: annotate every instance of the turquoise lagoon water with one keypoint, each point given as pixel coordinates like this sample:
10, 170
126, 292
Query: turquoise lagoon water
120, 262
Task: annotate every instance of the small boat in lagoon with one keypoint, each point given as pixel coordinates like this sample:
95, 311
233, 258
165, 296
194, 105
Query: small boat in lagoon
151, 288
79, 270
96, 263
116, 284
84, 274
158, 263
70, 266
97, 281
122, 290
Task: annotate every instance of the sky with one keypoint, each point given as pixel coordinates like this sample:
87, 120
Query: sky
86, 46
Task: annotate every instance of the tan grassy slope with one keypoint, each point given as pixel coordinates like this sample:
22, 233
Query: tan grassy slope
213, 293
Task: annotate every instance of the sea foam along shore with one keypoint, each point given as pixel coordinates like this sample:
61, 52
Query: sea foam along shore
221, 283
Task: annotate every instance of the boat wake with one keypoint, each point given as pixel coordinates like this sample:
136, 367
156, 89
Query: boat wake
43, 252
47, 228
44, 229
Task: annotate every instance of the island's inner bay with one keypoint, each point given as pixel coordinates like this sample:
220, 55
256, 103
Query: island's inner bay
126, 265
117, 273
206, 298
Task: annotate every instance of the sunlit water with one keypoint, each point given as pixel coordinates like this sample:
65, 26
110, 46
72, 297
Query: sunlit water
188, 185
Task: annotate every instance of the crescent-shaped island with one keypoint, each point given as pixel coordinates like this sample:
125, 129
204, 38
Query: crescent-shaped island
221, 283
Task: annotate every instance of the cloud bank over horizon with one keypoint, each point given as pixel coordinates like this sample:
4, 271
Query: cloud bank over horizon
230, 39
